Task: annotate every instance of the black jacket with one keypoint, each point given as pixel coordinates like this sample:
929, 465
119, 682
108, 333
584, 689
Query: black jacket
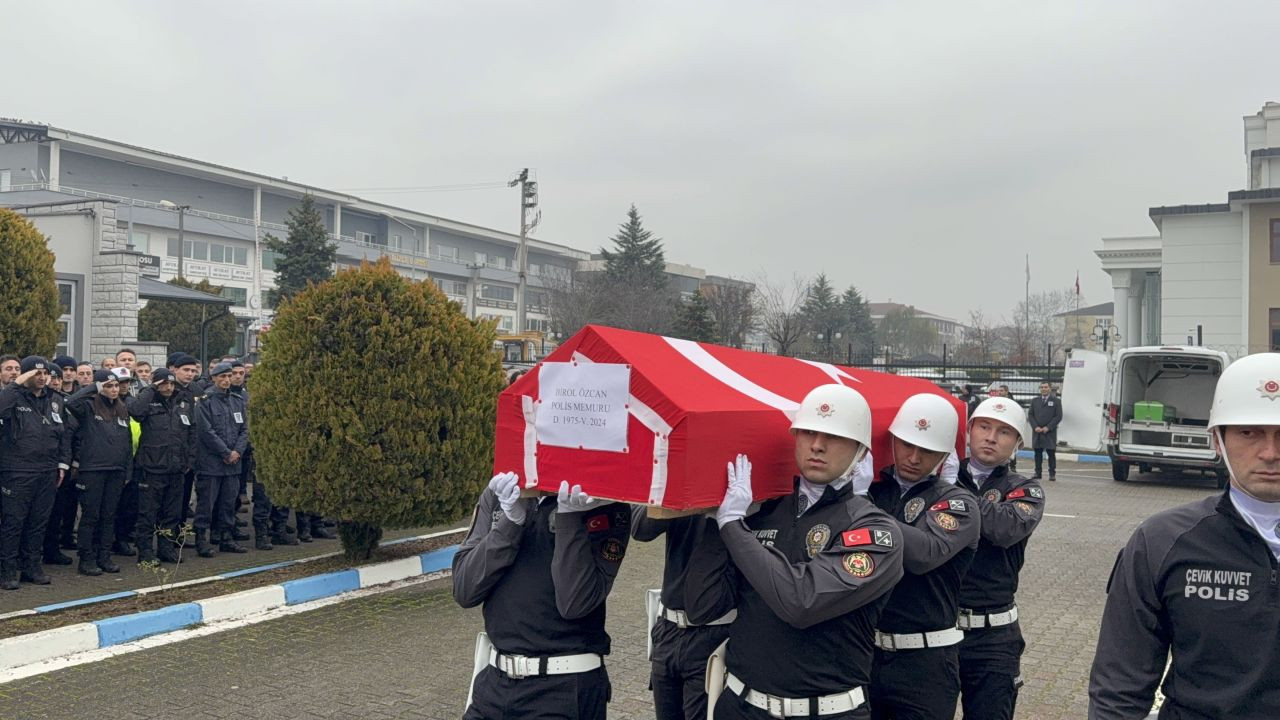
684, 534
1199, 582
809, 591
544, 583
167, 442
940, 527
104, 442
1046, 413
1011, 507
35, 438
220, 428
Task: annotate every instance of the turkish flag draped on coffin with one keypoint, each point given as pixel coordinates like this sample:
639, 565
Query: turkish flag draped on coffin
653, 420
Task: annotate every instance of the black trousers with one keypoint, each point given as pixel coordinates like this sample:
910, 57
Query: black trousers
62, 521
159, 511
990, 672
25, 502
188, 485
915, 684
99, 497
216, 503
1053, 460
679, 668
127, 511
732, 707
573, 696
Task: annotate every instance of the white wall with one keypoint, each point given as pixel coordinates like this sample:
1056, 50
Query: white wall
1201, 260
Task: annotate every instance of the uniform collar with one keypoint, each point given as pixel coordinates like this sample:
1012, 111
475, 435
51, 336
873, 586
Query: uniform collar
1263, 517
821, 494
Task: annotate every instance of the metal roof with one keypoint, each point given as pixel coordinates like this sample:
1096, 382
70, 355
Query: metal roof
152, 289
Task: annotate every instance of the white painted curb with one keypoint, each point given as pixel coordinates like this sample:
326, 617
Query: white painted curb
237, 605
390, 571
47, 644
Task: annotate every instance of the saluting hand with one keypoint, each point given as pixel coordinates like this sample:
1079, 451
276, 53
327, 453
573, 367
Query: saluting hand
506, 486
737, 498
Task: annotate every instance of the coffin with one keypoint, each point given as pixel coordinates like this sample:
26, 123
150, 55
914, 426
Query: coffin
653, 420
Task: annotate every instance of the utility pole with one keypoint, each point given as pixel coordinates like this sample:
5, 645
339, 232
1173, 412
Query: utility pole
182, 244
528, 201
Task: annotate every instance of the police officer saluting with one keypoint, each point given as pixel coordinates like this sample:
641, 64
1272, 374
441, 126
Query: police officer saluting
1011, 507
542, 568
222, 437
165, 448
35, 453
808, 573
916, 673
679, 648
1198, 582
105, 445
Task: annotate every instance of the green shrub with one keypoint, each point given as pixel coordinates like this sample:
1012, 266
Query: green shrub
28, 291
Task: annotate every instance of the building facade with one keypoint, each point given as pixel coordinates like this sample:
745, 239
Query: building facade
1212, 273
950, 331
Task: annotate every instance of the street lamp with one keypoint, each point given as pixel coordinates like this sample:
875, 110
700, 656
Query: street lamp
1105, 333
182, 244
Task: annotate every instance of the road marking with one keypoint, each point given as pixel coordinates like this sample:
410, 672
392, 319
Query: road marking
147, 643
1061, 516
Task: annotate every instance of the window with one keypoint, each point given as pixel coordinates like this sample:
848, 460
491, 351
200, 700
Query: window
66, 316
1275, 241
451, 287
396, 242
240, 296
504, 321
141, 242
1275, 330
269, 258
448, 252
197, 250
172, 250
498, 292
537, 325
536, 298
5, 176
365, 238
240, 257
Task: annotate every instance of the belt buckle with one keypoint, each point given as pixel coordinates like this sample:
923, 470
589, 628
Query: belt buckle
887, 639
775, 702
964, 620
516, 668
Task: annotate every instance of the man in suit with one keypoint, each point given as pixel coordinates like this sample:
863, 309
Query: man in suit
1045, 414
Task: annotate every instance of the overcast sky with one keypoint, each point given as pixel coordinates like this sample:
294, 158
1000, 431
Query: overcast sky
916, 150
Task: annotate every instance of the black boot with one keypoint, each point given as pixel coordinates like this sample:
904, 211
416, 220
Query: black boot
228, 544
9, 577
104, 562
239, 535
34, 574
146, 553
57, 558
304, 529
320, 532
89, 567
261, 538
123, 547
280, 537
204, 548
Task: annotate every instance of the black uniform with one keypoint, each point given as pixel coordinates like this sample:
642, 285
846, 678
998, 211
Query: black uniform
165, 451
60, 530
33, 446
220, 428
679, 660
543, 585
809, 589
105, 445
1011, 507
1199, 582
940, 527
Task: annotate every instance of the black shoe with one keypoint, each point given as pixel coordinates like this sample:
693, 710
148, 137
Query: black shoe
322, 533
1052, 477
10, 582
241, 522
34, 574
231, 547
89, 567
67, 544
262, 541
123, 548
104, 562
169, 556
330, 523
244, 507
283, 539
57, 558
204, 548
240, 536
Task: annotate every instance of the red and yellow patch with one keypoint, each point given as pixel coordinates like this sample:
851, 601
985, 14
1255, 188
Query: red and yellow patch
946, 521
1025, 507
859, 564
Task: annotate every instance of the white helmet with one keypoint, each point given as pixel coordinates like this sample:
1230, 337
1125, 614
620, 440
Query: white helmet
1006, 411
1248, 392
927, 421
835, 410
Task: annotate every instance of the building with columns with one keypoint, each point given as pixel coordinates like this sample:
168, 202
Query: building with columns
1211, 274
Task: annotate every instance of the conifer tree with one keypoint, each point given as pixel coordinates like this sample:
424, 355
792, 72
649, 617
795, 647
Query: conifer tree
637, 257
306, 255
694, 321
177, 323
28, 291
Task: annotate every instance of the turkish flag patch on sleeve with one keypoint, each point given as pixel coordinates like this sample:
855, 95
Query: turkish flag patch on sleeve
941, 505
598, 523
853, 538
1015, 494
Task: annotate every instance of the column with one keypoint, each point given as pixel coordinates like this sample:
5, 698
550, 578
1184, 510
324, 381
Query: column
55, 164
337, 219
1120, 285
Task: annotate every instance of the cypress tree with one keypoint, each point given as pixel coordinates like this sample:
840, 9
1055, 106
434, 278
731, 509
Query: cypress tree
637, 257
306, 255
28, 291
374, 403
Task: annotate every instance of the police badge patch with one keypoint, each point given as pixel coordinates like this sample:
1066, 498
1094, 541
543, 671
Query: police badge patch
946, 522
991, 496
1024, 507
912, 511
612, 550
816, 539
859, 564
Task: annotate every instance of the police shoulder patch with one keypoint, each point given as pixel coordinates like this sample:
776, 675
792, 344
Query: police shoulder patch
912, 510
1020, 492
1025, 507
1035, 492
598, 523
859, 564
992, 496
854, 538
612, 550
883, 538
946, 521
815, 541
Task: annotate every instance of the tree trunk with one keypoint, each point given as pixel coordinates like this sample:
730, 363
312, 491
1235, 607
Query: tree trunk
359, 540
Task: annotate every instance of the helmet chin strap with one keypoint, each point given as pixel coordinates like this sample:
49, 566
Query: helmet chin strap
1231, 473
853, 466
893, 450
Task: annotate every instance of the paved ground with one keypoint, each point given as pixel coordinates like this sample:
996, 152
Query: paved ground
407, 653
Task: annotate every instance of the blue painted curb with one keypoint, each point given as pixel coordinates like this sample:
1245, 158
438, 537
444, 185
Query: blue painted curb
117, 630
319, 586
437, 560
85, 601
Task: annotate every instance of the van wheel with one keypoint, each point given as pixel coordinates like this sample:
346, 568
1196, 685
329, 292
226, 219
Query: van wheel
1144, 468
1119, 471
1223, 479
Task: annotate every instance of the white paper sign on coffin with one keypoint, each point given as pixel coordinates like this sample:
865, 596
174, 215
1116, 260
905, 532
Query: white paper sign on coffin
583, 405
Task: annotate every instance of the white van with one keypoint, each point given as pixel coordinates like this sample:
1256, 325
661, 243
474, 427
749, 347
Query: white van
1147, 406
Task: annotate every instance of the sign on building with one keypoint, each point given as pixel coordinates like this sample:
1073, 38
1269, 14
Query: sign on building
149, 266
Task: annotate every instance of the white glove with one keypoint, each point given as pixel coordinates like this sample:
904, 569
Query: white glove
575, 500
864, 473
950, 470
737, 499
99, 385
507, 487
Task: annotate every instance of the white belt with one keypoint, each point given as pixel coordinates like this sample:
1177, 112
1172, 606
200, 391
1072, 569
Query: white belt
969, 620
781, 707
918, 641
519, 666
682, 620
